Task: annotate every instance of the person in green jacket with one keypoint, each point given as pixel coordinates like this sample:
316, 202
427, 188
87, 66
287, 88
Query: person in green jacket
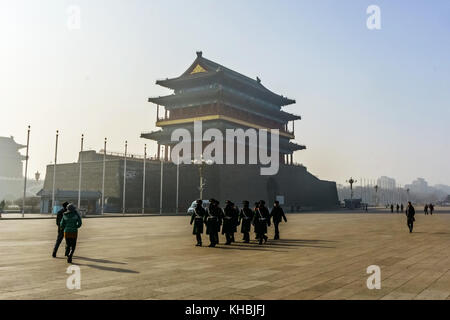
70, 223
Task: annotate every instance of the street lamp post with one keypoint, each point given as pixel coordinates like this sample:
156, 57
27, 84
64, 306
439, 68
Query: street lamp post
201, 164
351, 182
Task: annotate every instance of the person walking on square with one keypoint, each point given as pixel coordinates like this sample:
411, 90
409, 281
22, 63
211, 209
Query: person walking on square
213, 222
398, 208
60, 236
229, 221
261, 221
70, 223
401, 207
431, 208
425, 209
277, 214
392, 208
245, 219
197, 219
410, 212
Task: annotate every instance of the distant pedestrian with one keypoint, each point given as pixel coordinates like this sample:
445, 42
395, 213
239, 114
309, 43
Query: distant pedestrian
70, 223
245, 219
431, 208
392, 208
60, 235
261, 221
398, 208
425, 209
410, 213
197, 219
277, 215
401, 207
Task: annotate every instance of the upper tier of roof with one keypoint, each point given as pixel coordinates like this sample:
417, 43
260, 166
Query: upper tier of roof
203, 71
9, 143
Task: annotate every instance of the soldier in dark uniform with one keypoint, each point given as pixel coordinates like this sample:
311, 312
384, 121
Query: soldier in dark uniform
197, 218
410, 212
246, 217
60, 236
261, 220
235, 220
277, 214
229, 222
254, 210
213, 221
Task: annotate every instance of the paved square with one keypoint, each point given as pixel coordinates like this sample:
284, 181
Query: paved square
320, 256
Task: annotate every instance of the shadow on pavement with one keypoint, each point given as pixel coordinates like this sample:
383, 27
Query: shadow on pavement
99, 260
105, 268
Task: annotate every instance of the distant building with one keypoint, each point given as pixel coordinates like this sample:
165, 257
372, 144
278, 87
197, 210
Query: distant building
222, 99
386, 183
420, 185
11, 169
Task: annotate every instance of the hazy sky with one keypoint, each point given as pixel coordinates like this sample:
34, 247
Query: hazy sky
373, 102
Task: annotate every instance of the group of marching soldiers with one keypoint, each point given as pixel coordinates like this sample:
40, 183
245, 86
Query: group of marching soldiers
230, 217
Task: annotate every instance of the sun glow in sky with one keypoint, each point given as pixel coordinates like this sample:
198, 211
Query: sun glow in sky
373, 102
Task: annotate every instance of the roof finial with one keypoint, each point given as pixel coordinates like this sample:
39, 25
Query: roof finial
258, 80
199, 53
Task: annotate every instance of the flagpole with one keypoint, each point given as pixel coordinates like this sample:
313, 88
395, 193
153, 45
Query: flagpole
143, 180
103, 178
161, 187
124, 178
26, 172
81, 167
178, 184
54, 170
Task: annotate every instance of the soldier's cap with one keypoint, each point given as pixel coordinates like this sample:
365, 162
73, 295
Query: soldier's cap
199, 201
212, 200
245, 202
262, 202
65, 204
277, 202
